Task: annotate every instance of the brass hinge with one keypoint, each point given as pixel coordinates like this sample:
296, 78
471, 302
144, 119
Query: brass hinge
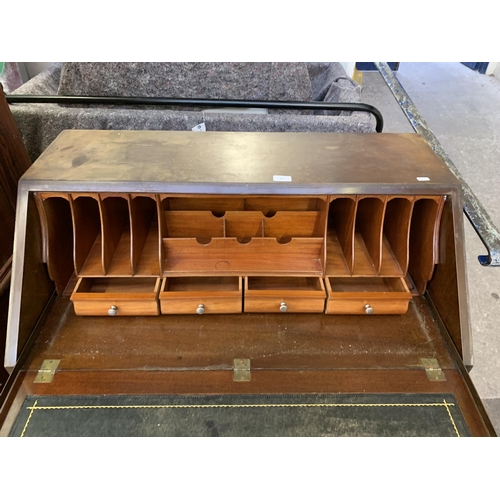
433, 370
46, 373
241, 370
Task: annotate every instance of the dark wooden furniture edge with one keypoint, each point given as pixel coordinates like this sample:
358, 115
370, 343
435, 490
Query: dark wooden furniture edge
461, 368
263, 382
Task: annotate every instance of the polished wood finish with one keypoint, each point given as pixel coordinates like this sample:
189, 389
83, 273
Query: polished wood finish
59, 247
216, 295
201, 214
14, 161
4, 307
292, 294
117, 235
87, 235
241, 163
444, 288
272, 341
368, 232
340, 236
397, 233
144, 236
260, 255
424, 240
130, 297
367, 296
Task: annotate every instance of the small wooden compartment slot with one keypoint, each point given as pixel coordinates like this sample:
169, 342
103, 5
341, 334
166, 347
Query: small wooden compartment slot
368, 236
340, 236
244, 236
367, 295
201, 295
145, 246
87, 233
396, 235
203, 225
116, 255
424, 240
58, 244
116, 296
275, 294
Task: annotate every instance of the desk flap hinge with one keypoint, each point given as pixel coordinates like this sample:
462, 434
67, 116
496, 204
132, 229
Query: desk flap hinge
241, 370
46, 373
433, 370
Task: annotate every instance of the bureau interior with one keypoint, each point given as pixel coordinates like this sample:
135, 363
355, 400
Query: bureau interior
125, 235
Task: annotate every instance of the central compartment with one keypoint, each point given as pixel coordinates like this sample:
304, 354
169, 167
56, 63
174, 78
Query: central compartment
248, 236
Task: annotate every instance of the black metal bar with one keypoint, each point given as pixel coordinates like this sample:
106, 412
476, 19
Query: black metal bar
168, 101
473, 209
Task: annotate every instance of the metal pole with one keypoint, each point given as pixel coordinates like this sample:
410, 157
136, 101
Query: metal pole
167, 101
473, 209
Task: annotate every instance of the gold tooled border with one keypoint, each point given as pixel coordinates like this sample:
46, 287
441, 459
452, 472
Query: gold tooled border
269, 405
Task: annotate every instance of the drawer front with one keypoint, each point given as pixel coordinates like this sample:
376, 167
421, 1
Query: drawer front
116, 297
365, 295
115, 307
201, 305
368, 305
283, 304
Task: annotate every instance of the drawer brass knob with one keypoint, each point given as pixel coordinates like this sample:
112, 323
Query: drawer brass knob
283, 307
112, 310
368, 309
200, 309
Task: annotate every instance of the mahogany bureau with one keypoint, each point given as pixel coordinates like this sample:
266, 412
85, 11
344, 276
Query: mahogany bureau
159, 262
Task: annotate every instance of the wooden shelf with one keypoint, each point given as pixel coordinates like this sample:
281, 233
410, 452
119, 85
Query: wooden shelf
228, 255
260, 238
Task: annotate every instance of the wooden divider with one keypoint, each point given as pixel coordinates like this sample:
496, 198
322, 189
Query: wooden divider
87, 235
146, 251
269, 205
395, 244
340, 236
125, 235
424, 239
368, 235
228, 255
243, 225
285, 225
57, 229
115, 223
193, 224
215, 204
235, 234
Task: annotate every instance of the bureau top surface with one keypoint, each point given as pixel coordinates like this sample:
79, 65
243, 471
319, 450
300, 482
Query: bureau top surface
277, 162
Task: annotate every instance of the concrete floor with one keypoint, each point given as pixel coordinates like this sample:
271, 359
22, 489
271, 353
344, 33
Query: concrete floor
462, 108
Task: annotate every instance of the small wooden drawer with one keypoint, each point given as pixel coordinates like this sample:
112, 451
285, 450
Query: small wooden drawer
116, 296
284, 294
201, 295
367, 296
